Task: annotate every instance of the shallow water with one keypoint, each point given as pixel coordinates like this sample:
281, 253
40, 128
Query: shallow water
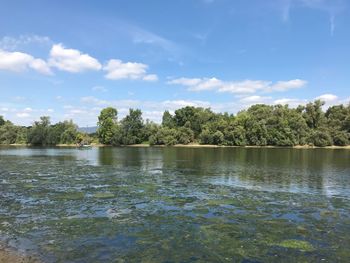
176, 204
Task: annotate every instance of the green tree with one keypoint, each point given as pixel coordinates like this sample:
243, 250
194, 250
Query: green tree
8, 133
184, 135
320, 137
164, 136
168, 120
39, 132
132, 127
107, 120
2, 121
313, 114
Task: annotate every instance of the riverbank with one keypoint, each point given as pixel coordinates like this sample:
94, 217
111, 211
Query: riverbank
193, 145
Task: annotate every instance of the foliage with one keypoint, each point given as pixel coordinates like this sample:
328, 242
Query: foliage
277, 125
106, 122
132, 127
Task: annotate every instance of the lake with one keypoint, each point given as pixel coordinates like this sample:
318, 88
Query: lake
176, 204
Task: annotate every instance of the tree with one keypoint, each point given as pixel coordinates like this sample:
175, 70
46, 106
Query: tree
8, 133
193, 118
107, 120
313, 114
341, 138
2, 121
168, 120
218, 138
184, 135
39, 132
320, 137
132, 127
164, 136
235, 135
206, 137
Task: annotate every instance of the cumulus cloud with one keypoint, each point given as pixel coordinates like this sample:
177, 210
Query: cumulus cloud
292, 102
18, 62
287, 85
40, 66
185, 81
117, 69
246, 86
72, 60
327, 97
237, 87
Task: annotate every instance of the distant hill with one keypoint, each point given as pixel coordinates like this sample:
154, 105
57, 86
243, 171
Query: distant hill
89, 130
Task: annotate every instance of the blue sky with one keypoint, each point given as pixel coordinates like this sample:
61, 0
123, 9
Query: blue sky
70, 59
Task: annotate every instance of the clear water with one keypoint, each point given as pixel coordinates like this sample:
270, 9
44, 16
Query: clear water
176, 204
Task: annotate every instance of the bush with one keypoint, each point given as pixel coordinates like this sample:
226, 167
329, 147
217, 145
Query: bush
218, 138
320, 138
206, 137
341, 138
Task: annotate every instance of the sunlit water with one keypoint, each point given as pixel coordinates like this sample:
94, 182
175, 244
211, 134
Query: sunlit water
176, 204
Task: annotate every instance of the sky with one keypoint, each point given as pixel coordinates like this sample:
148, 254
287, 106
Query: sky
70, 59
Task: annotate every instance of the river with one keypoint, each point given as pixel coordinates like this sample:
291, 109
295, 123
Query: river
176, 204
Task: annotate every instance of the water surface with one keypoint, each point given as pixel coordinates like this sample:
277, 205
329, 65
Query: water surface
176, 204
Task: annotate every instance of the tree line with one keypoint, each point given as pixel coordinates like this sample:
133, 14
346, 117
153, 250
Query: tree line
41, 133
277, 125
260, 124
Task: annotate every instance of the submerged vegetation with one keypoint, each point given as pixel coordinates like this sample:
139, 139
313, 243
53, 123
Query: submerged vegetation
259, 125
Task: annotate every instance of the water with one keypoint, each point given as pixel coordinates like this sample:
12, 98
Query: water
176, 204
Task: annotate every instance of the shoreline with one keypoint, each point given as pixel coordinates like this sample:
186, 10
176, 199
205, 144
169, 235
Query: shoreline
192, 145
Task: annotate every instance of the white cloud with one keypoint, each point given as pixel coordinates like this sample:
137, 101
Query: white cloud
18, 62
290, 101
287, 85
327, 97
176, 104
13, 43
40, 66
207, 84
72, 60
237, 87
185, 81
117, 69
246, 86
23, 115
254, 99
99, 88
150, 77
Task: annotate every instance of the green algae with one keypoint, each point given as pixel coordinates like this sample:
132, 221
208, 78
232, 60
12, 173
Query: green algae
296, 244
103, 195
328, 213
69, 196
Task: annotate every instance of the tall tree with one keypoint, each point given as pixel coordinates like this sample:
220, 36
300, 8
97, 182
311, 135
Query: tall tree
168, 120
39, 132
107, 120
2, 121
132, 127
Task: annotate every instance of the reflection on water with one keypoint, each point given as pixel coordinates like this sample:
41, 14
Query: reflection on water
176, 204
